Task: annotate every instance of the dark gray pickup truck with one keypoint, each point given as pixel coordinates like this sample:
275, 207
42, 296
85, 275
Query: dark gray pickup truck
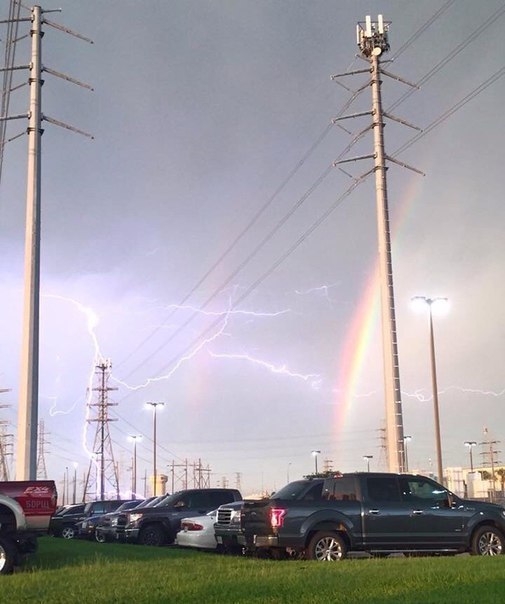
325, 518
158, 525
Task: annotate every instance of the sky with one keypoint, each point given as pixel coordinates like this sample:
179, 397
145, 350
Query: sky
201, 242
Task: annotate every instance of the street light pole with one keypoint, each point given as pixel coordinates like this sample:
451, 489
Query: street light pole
367, 458
470, 444
74, 495
315, 453
155, 408
288, 472
436, 413
135, 438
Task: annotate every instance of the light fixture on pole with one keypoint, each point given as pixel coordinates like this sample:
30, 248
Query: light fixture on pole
134, 438
315, 453
419, 301
367, 458
155, 408
470, 444
406, 440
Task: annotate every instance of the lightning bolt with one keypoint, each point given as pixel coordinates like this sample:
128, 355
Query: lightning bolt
182, 360
312, 378
227, 313
323, 289
92, 321
421, 397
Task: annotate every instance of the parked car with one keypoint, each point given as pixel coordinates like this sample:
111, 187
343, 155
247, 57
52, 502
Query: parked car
159, 525
93, 512
87, 527
63, 522
198, 532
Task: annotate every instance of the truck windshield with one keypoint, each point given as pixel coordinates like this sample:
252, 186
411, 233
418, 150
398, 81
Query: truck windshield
294, 490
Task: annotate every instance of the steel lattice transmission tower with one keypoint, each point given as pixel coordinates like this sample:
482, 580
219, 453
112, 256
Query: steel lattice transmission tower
41, 457
102, 468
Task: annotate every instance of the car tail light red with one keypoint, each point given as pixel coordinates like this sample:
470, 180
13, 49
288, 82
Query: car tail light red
277, 517
191, 526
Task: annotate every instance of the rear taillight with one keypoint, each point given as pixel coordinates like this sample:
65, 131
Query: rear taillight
191, 526
277, 517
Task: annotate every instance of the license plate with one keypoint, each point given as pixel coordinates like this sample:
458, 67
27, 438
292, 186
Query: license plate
219, 540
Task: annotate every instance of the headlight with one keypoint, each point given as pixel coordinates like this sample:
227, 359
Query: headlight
235, 517
134, 517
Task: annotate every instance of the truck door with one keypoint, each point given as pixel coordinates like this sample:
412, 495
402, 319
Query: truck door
409, 512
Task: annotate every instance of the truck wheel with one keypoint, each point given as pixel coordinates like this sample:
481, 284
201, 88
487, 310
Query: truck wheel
100, 537
487, 541
68, 532
8, 555
326, 546
152, 534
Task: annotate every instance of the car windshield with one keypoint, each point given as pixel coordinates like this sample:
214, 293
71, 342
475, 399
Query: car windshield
128, 505
169, 501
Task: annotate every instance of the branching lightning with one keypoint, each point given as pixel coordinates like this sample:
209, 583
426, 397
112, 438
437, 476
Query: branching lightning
227, 313
182, 360
322, 289
312, 378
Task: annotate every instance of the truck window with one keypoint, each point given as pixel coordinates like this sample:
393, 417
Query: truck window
420, 489
383, 488
219, 498
314, 493
340, 489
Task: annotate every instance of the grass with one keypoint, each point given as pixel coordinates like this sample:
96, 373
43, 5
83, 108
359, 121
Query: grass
78, 571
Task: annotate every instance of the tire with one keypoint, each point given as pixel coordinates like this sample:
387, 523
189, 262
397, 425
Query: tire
100, 537
68, 532
152, 534
487, 541
8, 555
326, 546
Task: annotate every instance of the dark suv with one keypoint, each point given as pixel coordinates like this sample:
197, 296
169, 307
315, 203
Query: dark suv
159, 524
63, 523
89, 522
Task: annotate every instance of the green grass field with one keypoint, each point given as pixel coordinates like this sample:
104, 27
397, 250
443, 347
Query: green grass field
77, 571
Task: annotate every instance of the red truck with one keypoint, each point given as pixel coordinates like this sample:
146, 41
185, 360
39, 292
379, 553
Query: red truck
25, 510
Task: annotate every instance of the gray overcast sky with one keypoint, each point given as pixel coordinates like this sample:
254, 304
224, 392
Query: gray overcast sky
200, 112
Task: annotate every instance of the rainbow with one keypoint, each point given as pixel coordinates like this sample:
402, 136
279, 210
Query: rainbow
355, 348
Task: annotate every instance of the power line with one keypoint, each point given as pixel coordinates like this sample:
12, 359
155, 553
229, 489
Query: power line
279, 225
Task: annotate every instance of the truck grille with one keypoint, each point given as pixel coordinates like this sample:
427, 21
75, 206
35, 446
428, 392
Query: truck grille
223, 516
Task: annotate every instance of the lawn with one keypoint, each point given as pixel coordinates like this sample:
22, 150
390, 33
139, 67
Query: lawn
78, 571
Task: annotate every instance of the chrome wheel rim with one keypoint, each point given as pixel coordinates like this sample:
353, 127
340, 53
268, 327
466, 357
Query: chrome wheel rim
328, 549
490, 544
68, 533
3, 558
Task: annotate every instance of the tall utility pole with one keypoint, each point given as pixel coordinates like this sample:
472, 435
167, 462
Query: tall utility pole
373, 43
26, 458
372, 38
103, 455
